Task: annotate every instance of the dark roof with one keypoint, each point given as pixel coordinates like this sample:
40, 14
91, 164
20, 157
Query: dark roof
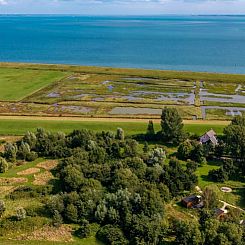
191, 198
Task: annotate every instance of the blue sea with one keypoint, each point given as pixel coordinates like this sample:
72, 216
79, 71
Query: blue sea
196, 43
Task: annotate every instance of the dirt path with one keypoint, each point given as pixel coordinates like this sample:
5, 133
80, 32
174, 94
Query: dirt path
89, 119
225, 204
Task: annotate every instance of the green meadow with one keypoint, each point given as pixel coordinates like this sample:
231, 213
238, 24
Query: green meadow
16, 84
20, 126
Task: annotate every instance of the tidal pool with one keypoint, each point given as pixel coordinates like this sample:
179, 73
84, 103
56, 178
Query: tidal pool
135, 111
206, 96
230, 111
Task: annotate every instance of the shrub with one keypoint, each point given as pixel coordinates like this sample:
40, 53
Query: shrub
84, 231
110, 234
20, 213
30, 191
2, 208
218, 175
31, 156
3, 165
57, 219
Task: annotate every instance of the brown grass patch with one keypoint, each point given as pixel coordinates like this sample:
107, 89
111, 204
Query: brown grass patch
48, 165
29, 171
10, 139
42, 178
50, 233
6, 189
174, 213
11, 181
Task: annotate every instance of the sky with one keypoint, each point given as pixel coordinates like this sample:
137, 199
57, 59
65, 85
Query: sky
122, 7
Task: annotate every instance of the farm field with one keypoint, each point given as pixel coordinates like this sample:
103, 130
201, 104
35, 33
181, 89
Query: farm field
118, 93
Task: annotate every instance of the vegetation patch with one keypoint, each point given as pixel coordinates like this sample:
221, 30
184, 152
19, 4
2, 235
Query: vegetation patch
18, 83
50, 233
29, 171
4, 190
11, 181
42, 178
48, 165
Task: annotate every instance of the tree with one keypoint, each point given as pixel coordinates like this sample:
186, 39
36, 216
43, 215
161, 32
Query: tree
20, 213
23, 150
172, 125
120, 134
238, 120
71, 213
224, 173
210, 230
185, 149
234, 135
10, 152
55, 204
3, 165
210, 198
187, 232
197, 153
31, 139
84, 230
111, 235
218, 175
71, 177
233, 233
150, 133
157, 156
2, 208
146, 147
57, 219
191, 166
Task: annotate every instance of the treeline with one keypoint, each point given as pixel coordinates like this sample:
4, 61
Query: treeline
109, 180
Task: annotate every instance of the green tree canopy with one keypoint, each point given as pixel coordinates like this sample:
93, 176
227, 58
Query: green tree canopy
172, 125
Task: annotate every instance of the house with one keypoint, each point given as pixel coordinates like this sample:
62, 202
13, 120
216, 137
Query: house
209, 136
192, 201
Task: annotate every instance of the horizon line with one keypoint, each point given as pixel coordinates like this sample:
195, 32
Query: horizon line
115, 15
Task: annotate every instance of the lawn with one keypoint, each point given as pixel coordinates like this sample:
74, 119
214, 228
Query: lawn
16, 84
12, 172
20, 126
236, 197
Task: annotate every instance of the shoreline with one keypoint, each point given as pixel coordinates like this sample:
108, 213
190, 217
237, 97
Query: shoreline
152, 73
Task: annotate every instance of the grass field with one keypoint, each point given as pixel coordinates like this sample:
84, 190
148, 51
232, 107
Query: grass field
20, 126
16, 84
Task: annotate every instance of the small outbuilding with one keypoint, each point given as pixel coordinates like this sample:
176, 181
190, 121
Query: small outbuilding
209, 136
220, 213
